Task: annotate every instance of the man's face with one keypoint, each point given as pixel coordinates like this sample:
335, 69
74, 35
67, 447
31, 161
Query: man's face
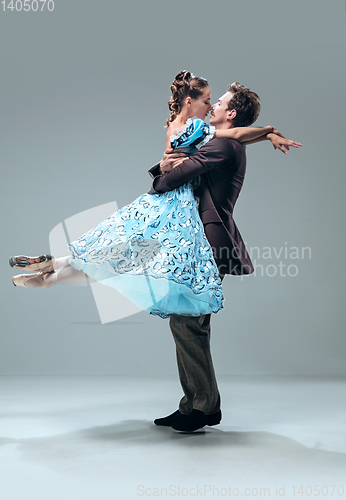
219, 114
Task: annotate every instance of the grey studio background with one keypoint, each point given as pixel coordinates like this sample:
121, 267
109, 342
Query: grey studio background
84, 93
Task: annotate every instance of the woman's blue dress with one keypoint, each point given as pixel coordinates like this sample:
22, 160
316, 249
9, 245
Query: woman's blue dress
154, 251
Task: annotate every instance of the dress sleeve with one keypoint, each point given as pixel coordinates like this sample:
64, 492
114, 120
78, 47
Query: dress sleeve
195, 135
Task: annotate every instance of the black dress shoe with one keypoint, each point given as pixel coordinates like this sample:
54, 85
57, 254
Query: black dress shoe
168, 421
196, 420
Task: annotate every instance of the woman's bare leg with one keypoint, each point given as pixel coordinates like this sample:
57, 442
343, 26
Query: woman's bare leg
62, 262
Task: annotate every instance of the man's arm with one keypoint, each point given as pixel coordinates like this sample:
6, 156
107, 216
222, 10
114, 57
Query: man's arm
214, 153
155, 171
173, 155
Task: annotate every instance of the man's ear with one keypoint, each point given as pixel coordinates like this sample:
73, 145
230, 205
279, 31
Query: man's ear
231, 114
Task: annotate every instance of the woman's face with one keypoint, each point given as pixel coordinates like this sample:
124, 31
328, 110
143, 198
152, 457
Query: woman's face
200, 107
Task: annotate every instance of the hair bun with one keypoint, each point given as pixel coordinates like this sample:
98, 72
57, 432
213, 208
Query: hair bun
183, 76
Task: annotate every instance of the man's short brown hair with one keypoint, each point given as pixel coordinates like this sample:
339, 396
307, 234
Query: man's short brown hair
246, 103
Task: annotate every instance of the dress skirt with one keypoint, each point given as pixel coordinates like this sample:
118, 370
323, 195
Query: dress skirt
154, 251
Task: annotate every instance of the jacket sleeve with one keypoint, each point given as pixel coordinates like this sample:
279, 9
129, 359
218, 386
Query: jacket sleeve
213, 154
154, 171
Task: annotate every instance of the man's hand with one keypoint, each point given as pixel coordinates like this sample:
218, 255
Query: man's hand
171, 160
279, 142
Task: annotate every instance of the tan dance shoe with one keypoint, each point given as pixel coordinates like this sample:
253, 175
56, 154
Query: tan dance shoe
43, 263
22, 279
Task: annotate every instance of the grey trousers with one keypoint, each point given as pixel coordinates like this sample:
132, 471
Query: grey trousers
195, 365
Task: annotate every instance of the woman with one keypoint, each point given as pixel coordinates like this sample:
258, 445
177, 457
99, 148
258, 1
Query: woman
154, 251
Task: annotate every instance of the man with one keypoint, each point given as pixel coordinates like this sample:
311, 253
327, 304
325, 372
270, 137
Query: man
219, 169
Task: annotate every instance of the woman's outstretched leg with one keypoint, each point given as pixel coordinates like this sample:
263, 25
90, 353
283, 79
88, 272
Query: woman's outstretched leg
62, 273
62, 262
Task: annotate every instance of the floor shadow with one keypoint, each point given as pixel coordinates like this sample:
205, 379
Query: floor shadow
139, 449
143, 433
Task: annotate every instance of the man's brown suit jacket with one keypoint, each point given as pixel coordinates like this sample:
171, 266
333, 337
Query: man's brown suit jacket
219, 169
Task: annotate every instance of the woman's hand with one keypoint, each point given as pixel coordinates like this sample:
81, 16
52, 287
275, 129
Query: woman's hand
171, 160
275, 131
279, 142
